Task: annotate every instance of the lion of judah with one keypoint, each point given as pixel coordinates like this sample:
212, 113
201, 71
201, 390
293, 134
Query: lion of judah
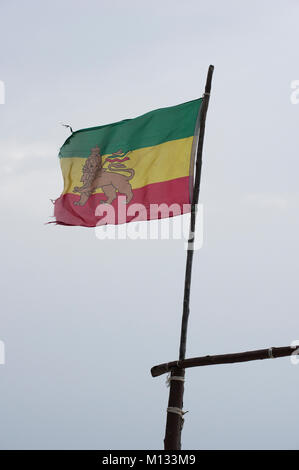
94, 176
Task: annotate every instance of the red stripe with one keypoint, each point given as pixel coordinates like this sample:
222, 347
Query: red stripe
169, 192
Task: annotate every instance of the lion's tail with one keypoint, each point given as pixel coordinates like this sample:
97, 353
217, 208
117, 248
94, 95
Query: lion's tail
121, 167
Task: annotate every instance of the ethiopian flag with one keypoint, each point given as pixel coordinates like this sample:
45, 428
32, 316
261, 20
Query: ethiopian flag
135, 169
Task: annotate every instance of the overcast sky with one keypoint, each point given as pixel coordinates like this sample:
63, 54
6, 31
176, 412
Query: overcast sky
84, 320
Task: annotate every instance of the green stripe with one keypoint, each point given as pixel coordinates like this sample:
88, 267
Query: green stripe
153, 128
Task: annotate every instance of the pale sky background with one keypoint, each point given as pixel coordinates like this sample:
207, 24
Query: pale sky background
84, 320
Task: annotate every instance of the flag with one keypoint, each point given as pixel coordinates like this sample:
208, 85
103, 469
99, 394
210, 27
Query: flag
135, 169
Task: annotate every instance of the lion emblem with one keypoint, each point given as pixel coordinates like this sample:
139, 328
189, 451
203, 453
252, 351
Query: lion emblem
95, 176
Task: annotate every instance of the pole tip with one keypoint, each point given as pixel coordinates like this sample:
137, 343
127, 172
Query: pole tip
209, 79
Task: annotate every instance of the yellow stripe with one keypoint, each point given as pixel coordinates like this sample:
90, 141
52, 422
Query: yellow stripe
155, 164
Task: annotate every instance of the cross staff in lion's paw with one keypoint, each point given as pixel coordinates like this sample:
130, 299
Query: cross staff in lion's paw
95, 176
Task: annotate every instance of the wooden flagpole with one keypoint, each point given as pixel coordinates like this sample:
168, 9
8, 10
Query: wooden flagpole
233, 358
175, 420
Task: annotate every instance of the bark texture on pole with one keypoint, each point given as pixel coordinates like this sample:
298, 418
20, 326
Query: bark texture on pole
175, 419
174, 422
